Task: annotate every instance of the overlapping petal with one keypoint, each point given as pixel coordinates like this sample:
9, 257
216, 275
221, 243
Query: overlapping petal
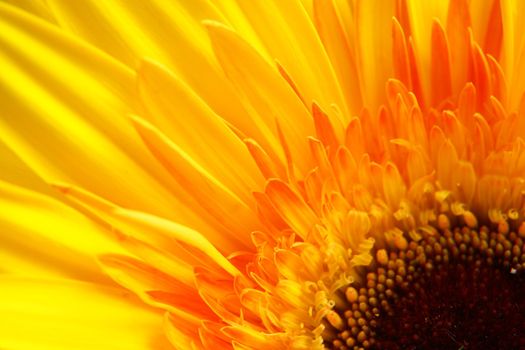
235, 164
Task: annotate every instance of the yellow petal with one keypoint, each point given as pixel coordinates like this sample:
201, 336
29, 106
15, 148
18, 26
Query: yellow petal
292, 40
66, 314
155, 287
35, 7
233, 213
290, 265
149, 228
393, 186
265, 94
30, 221
481, 17
196, 129
446, 164
331, 31
120, 36
164, 258
440, 77
168, 31
266, 165
150, 223
16, 172
63, 109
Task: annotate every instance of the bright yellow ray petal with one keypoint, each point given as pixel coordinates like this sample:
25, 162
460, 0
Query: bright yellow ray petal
293, 41
156, 288
150, 228
332, 33
457, 27
308, 6
22, 260
263, 92
131, 30
195, 128
35, 7
236, 214
65, 103
122, 36
480, 18
102, 209
30, 221
15, 171
64, 314
150, 223
234, 16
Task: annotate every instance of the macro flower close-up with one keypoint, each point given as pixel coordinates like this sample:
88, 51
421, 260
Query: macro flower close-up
248, 174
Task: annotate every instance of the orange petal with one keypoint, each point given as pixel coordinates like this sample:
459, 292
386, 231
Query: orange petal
331, 29
291, 207
441, 78
400, 56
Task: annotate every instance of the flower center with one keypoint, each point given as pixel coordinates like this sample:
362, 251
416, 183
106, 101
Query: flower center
460, 289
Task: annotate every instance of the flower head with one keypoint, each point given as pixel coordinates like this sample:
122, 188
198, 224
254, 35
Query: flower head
275, 175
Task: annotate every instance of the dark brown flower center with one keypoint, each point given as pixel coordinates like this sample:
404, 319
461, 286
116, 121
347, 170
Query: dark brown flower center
460, 289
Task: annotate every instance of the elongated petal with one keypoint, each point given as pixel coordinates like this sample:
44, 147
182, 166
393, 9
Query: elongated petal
30, 221
291, 207
63, 102
35, 7
372, 45
265, 94
421, 15
131, 30
296, 45
156, 288
196, 129
64, 314
234, 213
149, 228
342, 55
16, 172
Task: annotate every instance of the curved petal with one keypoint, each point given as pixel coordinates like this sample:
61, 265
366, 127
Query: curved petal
35, 7
161, 232
293, 41
132, 29
186, 119
63, 108
263, 92
421, 14
373, 46
331, 29
15, 171
235, 213
30, 221
65, 314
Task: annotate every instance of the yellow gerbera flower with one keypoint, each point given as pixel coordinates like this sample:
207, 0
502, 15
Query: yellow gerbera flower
315, 174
